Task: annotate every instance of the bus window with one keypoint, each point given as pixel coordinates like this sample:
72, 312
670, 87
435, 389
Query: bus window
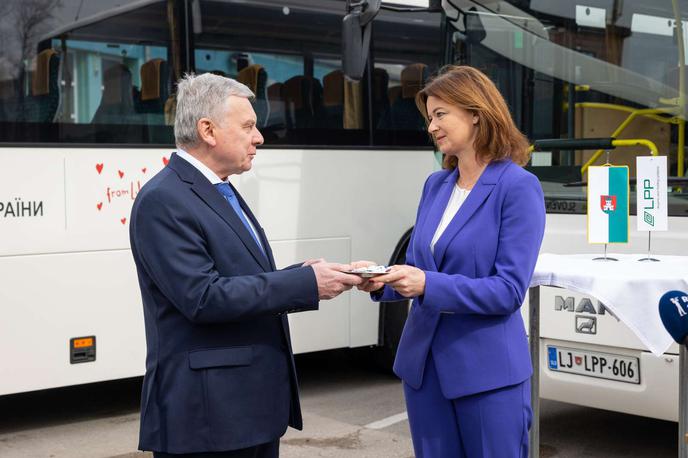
104, 77
402, 64
302, 97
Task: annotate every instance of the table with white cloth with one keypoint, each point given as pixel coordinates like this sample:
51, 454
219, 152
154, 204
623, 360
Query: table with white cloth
631, 290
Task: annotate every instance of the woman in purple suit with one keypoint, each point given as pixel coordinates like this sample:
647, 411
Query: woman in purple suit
463, 356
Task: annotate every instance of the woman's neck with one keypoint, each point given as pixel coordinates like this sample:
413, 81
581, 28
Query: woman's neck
469, 171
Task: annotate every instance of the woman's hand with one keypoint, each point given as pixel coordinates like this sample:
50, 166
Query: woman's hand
369, 284
408, 281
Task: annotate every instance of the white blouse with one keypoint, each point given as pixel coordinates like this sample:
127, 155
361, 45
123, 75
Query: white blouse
458, 196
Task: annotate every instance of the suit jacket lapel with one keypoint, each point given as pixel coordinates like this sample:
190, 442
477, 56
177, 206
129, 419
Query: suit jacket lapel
433, 217
208, 194
259, 230
473, 202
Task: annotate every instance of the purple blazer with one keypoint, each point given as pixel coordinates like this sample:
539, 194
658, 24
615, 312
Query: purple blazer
475, 282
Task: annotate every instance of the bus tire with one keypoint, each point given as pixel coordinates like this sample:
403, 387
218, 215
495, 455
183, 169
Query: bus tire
392, 315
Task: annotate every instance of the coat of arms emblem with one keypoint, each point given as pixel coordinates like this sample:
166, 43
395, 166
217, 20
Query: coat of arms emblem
608, 203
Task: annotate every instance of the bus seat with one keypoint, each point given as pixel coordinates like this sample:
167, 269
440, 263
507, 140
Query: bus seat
42, 104
333, 99
403, 114
154, 90
393, 93
354, 117
255, 78
293, 99
170, 109
413, 78
117, 102
380, 99
303, 101
277, 117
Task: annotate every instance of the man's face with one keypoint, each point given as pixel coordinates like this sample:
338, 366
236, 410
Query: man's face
236, 137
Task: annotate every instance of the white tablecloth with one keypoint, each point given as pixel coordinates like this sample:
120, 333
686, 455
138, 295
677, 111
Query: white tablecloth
630, 289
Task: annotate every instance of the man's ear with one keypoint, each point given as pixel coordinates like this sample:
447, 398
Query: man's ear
206, 131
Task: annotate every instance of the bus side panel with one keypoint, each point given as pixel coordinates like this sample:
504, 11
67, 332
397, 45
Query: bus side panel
49, 299
67, 269
328, 327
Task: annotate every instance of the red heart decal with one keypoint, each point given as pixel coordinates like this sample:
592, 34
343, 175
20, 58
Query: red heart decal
123, 220
99, 168
100, 205
165, 160
144, 169
121, 174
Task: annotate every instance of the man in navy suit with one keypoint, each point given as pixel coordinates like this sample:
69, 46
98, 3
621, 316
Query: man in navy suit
220, 378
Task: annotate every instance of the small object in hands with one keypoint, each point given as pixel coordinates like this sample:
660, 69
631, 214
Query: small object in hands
370, 271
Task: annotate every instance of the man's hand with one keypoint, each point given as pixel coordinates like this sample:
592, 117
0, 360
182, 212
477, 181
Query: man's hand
362, 264
310, 262
367, 285
331, 279
408, 281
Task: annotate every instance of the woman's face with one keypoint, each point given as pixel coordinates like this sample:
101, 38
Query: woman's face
453, 128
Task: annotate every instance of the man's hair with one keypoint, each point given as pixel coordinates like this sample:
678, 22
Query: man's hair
497, 136
203, 96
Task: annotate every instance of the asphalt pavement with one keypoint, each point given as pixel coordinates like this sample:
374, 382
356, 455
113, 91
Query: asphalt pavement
350, 410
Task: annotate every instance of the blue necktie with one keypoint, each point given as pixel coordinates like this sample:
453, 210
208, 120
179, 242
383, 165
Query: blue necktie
228, 194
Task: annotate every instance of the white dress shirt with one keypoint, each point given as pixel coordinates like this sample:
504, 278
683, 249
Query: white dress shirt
214, 179
457, 198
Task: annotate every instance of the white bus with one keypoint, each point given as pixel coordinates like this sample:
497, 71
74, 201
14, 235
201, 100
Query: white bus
579, 69
86, 106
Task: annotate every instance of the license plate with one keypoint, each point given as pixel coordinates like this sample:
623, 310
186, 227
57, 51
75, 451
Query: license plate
594, 364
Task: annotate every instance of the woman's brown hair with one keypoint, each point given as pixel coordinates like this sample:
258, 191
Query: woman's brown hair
497, 136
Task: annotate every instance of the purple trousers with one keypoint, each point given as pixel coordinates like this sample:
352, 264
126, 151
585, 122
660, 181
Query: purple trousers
492, 424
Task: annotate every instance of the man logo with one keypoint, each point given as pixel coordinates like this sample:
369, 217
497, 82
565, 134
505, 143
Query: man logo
608, 203
586, 324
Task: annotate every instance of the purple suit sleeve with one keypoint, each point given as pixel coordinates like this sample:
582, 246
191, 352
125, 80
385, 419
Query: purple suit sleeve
520, 236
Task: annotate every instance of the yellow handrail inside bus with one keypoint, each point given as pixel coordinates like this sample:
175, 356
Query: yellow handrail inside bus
638, 142
652, 113
649, 144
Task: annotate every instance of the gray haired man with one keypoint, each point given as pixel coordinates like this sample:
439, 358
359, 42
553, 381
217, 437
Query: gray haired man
220, 378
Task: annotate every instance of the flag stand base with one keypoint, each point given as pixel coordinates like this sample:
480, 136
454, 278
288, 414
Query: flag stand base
605, 258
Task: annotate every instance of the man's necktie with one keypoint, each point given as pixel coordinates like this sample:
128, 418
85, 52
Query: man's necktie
228, 194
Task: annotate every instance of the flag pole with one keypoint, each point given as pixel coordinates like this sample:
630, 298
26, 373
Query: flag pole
649, 244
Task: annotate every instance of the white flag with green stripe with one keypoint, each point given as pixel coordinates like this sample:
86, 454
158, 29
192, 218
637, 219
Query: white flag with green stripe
608, 193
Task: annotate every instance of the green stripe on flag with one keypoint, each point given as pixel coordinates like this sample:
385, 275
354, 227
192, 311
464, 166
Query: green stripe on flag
618, 219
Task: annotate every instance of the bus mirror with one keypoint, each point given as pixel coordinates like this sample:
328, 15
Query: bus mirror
473, 25
356, 30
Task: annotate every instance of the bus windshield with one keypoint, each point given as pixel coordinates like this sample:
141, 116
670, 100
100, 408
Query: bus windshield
583, 70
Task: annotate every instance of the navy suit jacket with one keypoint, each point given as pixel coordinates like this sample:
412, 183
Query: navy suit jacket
219, 369
475, 282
